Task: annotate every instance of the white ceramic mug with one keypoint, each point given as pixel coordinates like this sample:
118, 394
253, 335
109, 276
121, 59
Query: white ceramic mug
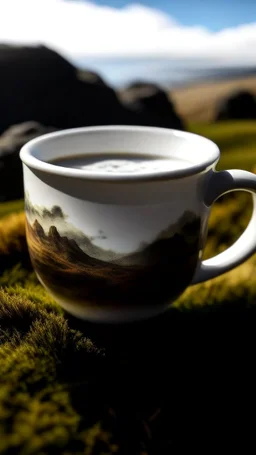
121, 247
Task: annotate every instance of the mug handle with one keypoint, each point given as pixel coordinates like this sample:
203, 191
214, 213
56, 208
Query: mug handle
219, 184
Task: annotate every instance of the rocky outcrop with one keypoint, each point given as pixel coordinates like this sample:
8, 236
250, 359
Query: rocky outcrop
38, 84
152, 104
28, 77
39, 231
53, 235
11, 183
240, 105
63, 247
90, 76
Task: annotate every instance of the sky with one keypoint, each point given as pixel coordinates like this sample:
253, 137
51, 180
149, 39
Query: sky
217, 32
214, 14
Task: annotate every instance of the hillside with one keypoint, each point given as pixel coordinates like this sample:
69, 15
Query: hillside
197, 102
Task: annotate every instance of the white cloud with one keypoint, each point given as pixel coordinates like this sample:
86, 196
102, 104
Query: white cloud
81, 28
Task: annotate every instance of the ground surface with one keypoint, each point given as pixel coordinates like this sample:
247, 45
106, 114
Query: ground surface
198, 102
166, 386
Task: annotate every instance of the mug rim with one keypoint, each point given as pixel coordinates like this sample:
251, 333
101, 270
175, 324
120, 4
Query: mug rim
28, 158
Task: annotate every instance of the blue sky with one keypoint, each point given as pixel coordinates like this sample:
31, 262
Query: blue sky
215, 14
217, 32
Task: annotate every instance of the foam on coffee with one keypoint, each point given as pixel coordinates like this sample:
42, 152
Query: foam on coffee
121, 163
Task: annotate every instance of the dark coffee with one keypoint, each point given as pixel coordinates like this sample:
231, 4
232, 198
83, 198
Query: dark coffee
119, 163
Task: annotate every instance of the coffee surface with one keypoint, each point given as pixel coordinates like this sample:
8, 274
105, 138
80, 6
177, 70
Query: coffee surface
121, 163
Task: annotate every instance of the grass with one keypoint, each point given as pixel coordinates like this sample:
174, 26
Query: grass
236, 140
11, 207
68, 387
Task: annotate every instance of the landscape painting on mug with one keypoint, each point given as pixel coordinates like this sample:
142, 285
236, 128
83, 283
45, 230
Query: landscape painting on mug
66, 258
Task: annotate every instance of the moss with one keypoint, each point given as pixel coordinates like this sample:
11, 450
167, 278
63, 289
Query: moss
236, 140
37, 349
11, 207
13, 246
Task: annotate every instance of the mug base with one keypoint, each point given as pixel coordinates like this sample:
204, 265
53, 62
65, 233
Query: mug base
109, 315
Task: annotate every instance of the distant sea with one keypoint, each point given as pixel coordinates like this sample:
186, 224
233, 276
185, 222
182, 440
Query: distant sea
168, 73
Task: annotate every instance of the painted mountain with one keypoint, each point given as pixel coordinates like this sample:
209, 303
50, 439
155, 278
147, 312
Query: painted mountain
70, 264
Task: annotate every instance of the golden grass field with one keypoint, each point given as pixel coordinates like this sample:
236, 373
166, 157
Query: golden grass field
197, 103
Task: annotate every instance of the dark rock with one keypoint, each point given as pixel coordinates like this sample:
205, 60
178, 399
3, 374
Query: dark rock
35, 66
91, 77
53, 234
28, 75
39, 231
152, 104
239, 105
38, 84
11, 184
83, 104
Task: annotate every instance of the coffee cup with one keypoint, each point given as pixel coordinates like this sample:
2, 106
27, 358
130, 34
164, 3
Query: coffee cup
120, 236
